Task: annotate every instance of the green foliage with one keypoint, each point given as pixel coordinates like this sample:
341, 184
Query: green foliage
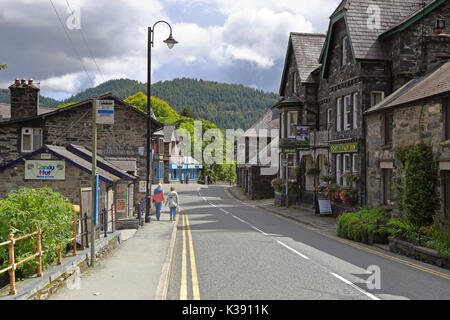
187, 112
3, 66
66, 104
163, 112
358, 226
23, 212
420, 200
440, 235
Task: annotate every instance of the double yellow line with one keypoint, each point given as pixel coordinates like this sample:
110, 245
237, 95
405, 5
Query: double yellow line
184, 282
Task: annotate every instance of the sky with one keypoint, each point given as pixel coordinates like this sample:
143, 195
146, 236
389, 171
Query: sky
71, 45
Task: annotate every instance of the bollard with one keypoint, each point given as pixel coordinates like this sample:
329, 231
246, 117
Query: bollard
12, 272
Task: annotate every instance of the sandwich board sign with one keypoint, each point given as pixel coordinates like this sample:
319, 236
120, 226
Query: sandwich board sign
105, 112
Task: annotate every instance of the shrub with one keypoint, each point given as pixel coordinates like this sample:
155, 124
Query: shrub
440, 235
358, 226
26, 210
420, 200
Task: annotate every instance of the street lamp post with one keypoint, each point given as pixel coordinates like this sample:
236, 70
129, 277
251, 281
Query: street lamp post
170, 41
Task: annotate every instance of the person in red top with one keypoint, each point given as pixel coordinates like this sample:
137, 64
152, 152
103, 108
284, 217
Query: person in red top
158, 199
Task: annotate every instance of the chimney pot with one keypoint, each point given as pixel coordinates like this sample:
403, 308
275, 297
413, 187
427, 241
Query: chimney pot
30, 82
23, 81
17, 81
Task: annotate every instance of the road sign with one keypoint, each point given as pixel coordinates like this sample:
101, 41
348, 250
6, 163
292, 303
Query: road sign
105, 112
284, 163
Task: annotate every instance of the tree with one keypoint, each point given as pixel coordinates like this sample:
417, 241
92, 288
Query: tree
187, 112
3, 66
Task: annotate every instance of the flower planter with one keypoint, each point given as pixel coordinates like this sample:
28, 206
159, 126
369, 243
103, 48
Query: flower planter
280, 199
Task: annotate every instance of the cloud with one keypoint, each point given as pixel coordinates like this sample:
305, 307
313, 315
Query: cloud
248, 38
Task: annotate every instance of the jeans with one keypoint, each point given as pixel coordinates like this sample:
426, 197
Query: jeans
158, 206
173, 212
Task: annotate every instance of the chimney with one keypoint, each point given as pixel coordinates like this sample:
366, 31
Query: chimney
435, 51
24, 99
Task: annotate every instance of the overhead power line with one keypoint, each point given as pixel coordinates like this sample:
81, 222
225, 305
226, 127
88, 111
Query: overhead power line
87, 46
72, 44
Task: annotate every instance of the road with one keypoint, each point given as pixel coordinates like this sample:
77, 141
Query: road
228, 250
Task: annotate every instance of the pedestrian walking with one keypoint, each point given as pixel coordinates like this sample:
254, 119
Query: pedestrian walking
172, 202
158, 199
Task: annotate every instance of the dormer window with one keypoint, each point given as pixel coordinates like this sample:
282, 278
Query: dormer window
344, 51
31, 139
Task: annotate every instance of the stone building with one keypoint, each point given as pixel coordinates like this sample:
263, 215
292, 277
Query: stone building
257, 171
68, 170
123, 142
418, 111
299, 146
370, 50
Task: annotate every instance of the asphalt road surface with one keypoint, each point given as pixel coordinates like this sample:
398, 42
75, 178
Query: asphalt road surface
228, 250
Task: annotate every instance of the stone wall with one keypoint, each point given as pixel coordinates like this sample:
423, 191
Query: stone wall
407, 125
14, 178
405, 48
259, 185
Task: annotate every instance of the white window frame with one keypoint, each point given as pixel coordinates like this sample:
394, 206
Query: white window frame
293, 157
344, 51
338, 169
289, 124
346, 162
372, 100
34, 133
355, 110
354, 162
339, 115
347, 112
329, 113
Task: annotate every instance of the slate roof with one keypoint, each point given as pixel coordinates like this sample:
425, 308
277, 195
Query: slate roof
306, 48
365, 41
432, 84
269, 120
5, 111
101, 162
155, 123
169, 133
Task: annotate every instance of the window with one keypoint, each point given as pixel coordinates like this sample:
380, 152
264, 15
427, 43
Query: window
339, 115
329, 113
388, 128
282, 170
294, 82
376, 97
387, 186
32, 139
355, 110
347, 112
338, 169
344, 50
355, 163
347, 167
292, 123
283, 124
292, 164
161, 170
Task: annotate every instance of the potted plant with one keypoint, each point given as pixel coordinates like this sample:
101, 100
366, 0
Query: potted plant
350, 178
328, 178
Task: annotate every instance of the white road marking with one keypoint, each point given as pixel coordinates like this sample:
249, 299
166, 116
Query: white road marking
371, 296
212, 204
293, 250
204, 199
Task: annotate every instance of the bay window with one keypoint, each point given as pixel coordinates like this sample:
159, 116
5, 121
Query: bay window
292, 124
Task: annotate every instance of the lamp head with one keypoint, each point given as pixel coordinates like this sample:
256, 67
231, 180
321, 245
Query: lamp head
170, 41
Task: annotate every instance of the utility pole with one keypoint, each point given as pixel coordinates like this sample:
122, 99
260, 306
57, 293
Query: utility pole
93, 176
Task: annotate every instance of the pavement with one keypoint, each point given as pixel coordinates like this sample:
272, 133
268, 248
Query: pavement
131, 272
